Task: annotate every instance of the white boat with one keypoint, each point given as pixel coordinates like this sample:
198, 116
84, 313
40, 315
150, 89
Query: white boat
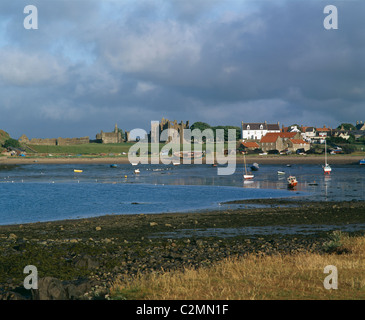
247, 176
326, 168
281, 173
136, 171
292, 182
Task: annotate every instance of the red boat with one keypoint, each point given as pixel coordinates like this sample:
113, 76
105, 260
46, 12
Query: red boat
292, 182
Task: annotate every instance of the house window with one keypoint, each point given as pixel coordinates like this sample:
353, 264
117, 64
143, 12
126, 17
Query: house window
261, 127
248, 127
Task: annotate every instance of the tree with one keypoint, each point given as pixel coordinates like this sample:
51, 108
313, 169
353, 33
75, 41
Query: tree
200, 125
226, 128
11, 143
346, 126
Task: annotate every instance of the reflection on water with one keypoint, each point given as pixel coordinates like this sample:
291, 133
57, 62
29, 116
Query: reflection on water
345, 183
99, 189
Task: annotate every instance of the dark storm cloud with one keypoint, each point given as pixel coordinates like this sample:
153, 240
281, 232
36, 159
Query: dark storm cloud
94, 63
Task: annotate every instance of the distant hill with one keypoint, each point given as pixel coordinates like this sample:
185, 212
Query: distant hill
3, 136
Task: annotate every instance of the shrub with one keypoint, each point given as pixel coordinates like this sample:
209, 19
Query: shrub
11, 143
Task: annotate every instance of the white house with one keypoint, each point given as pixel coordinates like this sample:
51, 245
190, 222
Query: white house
255, 131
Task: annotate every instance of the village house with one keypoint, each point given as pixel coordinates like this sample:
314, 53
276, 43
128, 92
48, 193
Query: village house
255, 131
278, 141
249, 146
341, 133
308, 133
321, 134
298, 144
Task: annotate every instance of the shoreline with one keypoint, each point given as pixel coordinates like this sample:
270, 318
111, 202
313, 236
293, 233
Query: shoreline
82, 258
333, 159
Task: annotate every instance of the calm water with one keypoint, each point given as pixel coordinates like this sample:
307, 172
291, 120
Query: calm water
38, 192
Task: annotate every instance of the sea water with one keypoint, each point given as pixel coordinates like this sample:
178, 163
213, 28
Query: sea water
39, 192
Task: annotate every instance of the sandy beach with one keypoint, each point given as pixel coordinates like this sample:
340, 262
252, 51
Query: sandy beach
293, 159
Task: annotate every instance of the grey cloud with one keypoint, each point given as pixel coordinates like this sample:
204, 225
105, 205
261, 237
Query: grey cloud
190, 60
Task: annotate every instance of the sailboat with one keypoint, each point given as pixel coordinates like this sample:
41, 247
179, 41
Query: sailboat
326, 168
246, 176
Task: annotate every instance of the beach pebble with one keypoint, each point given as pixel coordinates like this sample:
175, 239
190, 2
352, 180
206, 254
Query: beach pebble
98, 228
12, 236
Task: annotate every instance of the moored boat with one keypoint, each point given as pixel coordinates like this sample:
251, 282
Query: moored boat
77, 170
326, 168
136, 171
255, 167
247, 176
292, 182
362, 161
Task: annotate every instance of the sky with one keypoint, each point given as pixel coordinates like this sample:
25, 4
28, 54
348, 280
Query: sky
92, 64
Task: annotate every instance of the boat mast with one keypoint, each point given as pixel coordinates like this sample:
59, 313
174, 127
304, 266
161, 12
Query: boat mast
244, 159
325, 152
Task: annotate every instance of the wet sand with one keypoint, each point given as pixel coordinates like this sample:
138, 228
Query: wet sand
292, 159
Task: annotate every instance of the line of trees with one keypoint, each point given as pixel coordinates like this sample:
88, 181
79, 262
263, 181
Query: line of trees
202, 126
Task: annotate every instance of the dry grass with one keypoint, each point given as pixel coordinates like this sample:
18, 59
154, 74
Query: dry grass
298, 276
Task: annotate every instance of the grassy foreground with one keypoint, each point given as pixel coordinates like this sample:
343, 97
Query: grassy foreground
291, 276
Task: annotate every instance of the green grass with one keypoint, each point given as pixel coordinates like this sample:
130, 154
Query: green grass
97, 148
85, 149
100, 149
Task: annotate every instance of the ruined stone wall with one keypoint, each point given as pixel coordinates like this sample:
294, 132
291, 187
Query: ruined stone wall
110, 137
72, 141
43, 142
179, 127
54, 142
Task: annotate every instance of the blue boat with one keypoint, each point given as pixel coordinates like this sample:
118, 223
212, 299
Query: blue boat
362, 161
113, 166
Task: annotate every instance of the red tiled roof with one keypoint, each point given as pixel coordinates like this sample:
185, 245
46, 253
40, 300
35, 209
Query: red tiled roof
249, 144
273, 136
268, 138
298, 141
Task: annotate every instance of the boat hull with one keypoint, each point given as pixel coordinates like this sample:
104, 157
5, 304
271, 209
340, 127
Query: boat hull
292, 182
327, 170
